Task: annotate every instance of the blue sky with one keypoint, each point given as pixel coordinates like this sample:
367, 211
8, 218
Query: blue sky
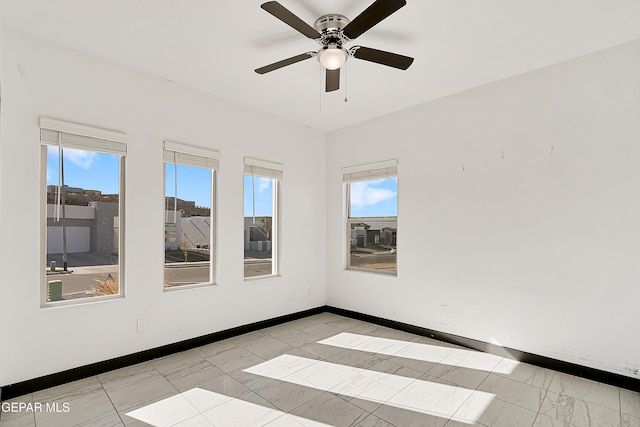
375, 198
85, 169
194, 184
98, 171
263, 189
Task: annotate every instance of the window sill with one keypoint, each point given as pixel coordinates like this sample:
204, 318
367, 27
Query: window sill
257, 278
81, 301
171, 289
371, 271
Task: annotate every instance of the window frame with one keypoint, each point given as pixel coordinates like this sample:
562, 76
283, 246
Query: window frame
204, 158
362, 173
274, 171
104, 141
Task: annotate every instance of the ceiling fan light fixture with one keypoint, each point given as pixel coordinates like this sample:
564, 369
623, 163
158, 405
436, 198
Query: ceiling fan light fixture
332, 58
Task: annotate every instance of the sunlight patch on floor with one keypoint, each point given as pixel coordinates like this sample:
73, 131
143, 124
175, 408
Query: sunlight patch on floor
426, 397
202, 407
419, 351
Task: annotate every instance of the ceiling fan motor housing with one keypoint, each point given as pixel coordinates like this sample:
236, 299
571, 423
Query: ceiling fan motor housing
330, 27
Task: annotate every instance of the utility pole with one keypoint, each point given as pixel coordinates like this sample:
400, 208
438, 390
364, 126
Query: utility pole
253, 194
64, 225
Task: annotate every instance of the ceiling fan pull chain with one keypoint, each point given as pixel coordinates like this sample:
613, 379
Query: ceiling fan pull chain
345, 83
321, 68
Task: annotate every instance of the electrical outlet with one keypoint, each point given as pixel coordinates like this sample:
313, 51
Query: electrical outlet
141, 326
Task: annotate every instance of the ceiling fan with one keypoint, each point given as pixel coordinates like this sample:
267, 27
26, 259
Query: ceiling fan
333, 31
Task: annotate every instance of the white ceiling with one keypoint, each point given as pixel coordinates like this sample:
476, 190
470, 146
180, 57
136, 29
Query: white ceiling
214, 46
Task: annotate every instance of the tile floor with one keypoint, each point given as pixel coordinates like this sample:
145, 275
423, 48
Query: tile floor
327, 370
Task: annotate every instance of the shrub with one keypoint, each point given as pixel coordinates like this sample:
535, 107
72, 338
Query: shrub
106, 285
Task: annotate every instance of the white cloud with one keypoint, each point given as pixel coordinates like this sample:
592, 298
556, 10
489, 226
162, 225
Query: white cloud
83, 159
80, 158
263, 184
52, 151
365, 194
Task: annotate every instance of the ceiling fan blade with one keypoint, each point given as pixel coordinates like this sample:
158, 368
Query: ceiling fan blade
284, 63
381, 57
332, 80
375, 13
286, 16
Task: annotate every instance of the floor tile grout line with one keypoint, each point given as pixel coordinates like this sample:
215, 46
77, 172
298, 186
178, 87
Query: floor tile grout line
546, 392
180, 393
164, 378
386, 401
620, 404
266, 359
380, 418
110, 401
282, 380
361, 418
366, 411
182, 421
468, 397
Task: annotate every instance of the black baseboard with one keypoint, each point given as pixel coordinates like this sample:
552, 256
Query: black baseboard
36, 384
521, 356
19, 389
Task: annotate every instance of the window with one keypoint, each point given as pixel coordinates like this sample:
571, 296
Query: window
82, 211
261, 182
372, 218
189, 215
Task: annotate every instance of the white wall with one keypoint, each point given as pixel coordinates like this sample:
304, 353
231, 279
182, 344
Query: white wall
1, 141
519, 213
42, 79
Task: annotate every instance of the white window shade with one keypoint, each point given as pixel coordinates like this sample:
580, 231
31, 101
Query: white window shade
263, 168
369, 171
184, 154
71, 135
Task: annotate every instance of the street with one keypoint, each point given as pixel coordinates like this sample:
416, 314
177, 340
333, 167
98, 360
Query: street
384, 261
83, 279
